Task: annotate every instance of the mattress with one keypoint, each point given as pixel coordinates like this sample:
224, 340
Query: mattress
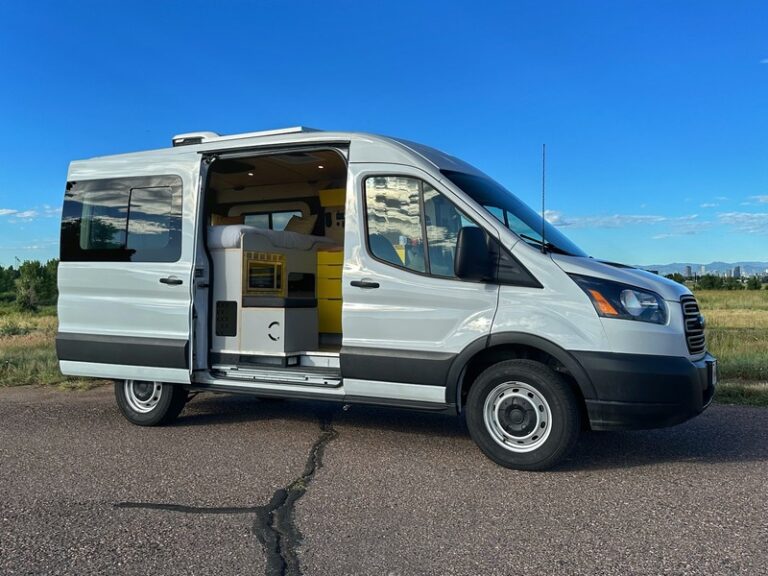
230, 236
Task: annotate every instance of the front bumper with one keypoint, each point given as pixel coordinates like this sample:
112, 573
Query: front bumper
636, 391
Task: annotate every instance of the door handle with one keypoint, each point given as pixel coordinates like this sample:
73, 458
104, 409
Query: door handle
364, 284
171, 281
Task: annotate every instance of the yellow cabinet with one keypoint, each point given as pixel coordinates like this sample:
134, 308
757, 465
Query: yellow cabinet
329, 270
330, 257
333, 197
328, 288
329, 315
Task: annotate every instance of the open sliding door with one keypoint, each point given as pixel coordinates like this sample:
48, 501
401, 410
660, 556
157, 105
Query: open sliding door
125, 277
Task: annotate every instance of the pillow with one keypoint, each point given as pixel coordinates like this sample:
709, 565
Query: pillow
301, 225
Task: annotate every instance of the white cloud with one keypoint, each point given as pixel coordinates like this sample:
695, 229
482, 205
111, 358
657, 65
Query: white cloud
709, 205
750, 222
615, 220
764, 61
763, 199
26, 214
30, 214
669, 226
555, 218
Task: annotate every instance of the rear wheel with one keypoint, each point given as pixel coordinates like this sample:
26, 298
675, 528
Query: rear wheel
148, 403
523, 415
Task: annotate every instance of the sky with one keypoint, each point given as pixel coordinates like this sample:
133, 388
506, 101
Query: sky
655, 114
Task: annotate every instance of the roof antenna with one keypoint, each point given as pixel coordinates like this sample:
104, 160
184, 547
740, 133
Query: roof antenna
543, 198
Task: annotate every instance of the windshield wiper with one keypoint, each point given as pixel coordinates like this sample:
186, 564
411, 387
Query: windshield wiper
547, 245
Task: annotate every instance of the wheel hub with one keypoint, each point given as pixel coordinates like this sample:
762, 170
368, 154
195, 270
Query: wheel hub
517, 416
142, 396
143, 390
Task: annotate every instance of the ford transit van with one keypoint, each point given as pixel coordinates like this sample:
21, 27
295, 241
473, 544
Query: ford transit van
358, 268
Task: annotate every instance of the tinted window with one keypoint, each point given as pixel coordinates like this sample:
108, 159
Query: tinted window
271, 220
104, 220
124, 220
257, 220
150, 219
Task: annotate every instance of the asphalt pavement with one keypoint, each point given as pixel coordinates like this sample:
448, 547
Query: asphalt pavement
242, 486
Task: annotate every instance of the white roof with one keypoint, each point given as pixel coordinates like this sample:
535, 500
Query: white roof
363, 147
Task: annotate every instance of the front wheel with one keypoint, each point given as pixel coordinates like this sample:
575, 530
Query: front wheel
523, 415
149, 403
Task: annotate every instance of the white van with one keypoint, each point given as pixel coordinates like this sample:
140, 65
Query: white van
298, 263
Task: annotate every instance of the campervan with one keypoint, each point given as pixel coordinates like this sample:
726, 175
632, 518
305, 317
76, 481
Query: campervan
357, 268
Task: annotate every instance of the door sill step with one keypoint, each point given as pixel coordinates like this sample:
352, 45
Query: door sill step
322, 379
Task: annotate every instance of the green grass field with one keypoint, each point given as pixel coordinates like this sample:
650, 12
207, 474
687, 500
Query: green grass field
737, 332
27, 354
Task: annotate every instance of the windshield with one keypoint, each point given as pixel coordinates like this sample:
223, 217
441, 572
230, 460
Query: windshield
511, 212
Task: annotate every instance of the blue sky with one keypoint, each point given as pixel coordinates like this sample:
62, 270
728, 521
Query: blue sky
655, 114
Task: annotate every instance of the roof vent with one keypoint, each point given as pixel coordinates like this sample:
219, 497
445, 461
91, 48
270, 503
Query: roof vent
193, 138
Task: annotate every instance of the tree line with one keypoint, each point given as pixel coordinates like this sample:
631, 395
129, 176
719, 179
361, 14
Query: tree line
712, 282
30, 285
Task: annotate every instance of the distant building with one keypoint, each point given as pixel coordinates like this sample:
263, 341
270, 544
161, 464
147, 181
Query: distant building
703, 270
688, 272
737, 271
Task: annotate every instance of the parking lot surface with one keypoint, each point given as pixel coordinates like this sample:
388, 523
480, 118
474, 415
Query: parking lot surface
243, 486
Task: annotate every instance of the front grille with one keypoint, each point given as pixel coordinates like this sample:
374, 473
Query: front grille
694, 331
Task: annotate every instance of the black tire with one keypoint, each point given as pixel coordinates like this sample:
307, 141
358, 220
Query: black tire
521, 396
166, 401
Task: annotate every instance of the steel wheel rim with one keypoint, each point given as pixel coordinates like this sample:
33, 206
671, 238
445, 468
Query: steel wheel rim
143, 396
517, 416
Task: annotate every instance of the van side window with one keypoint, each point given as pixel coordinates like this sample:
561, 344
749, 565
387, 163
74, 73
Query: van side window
271, 220
104, 220
122, 220
395, 227
412, 225
151, 218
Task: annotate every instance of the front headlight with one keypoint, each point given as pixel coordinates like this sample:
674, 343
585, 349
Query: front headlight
615, 300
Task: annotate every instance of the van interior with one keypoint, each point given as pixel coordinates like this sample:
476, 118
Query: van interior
274, 237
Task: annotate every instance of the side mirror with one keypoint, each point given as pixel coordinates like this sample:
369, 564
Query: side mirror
473, 260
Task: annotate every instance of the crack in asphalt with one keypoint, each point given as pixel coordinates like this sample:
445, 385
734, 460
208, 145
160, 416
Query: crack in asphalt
274, 526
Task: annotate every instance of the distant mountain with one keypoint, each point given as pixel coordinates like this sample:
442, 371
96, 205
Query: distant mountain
747, 268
